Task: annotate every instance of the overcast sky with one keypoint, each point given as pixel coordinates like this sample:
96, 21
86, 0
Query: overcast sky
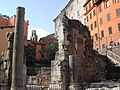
39, 13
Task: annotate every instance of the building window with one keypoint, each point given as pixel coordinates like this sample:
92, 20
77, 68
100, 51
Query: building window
71, 7
108, 17
107, 3
91, 26
101, 22
88, 28
86, 8
85, 21
100, 8
92, 38
90, 15
96, 36
119, 26
87, 18
118, 12
95, 24
110, 30
67, 13
102, 33
94, 13
89, 5
77, 1
78, 12
93, 1
117, 1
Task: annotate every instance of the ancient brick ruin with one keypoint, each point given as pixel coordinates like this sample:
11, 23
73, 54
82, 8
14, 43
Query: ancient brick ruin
89, 65
81, 64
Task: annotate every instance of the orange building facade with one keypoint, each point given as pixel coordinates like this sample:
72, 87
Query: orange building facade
103, 21
8, 25
38, 47
7, 22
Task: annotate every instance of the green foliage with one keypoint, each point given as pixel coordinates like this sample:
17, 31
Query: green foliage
30, 59
51, 50
43, 51
30, 54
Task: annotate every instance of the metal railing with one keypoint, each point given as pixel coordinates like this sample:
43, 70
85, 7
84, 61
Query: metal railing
56, 86
114, 57
36, 87
107, 86
109, 52
77, 86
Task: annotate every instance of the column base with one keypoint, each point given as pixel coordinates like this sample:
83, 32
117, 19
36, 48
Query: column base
17, 88
73, 87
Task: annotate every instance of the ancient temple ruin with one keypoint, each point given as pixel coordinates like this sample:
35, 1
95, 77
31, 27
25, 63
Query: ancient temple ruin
76, 62
6, 64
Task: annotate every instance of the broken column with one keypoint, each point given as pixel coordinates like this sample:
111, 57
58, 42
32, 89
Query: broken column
10, 37
71, 71
71, 68
18, 52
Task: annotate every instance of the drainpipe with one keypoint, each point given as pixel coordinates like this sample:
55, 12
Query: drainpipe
98, 27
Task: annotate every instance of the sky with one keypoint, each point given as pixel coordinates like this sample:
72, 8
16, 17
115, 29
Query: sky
39, 13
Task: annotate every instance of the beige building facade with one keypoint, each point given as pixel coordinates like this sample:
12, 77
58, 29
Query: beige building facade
74, 10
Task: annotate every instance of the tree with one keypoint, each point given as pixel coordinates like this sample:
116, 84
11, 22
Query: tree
51, 50
30, 59
30, 54
43, 51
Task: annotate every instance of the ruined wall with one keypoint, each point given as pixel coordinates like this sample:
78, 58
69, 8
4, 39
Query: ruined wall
6, 61
3, 38
76, 62
89, 66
